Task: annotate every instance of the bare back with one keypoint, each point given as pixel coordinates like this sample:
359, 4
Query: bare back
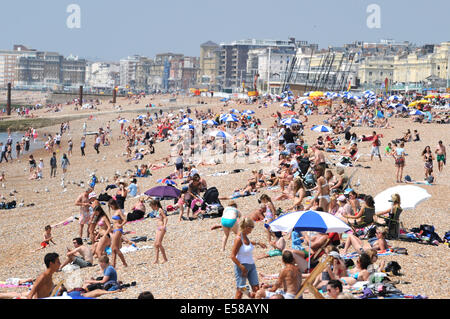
291, 279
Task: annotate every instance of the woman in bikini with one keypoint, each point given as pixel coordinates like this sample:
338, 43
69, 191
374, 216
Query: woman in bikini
269, 214
323, 189
428, 159
161, 229
299, 192
378, 242
119, 221
103, 236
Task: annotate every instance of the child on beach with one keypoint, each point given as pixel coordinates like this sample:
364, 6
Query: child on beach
47, 238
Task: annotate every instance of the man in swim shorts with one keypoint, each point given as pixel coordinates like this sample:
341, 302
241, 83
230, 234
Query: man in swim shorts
441, 155
84, 204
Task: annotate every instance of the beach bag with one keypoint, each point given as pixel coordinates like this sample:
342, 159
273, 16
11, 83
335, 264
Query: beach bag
104, 197
135, 215
447, 236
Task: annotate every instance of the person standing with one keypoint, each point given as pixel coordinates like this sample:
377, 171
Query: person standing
375, 146
18, 149
399, 156
242, 257
4, 149
441, 156
84, 204
97, 143
70, 146
160, 230
64, 163
53, 165
83, 145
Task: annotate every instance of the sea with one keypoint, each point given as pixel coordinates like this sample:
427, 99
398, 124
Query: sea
17, 137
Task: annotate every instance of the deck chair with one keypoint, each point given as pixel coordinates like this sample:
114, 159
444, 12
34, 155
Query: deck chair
57, 288
393, 223
367, 219
307, 284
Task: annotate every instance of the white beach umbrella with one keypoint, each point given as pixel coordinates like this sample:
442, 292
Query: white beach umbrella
410, 197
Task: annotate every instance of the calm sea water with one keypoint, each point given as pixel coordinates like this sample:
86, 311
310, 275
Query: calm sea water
17, 137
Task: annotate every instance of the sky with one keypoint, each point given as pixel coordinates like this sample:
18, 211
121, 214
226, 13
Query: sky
111, 29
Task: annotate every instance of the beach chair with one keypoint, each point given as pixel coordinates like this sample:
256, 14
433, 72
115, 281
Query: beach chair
57, 288
308, 283
367, 219
393, 223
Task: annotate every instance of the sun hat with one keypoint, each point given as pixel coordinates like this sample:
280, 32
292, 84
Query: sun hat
92, 195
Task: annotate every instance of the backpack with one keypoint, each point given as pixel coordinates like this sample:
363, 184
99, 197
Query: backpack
447, 236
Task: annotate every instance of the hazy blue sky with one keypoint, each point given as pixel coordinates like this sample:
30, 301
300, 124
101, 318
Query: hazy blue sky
112, 29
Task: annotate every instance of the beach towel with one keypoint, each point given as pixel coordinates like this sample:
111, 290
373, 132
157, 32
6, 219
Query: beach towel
131, 249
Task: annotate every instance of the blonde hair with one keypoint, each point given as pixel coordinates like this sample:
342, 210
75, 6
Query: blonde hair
383, 230
396, 199
345, 295
246, 222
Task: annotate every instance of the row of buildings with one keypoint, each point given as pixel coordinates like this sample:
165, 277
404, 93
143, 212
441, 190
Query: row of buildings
263, 65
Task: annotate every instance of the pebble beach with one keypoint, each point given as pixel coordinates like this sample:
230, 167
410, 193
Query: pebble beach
197, 268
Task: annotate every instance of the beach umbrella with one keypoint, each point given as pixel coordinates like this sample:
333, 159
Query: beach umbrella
395, 97
430, 96
141, 117
401, 108
224, 99
316, 94
392, 106
306, 93
209, 122
290, 121
220, 134
307, 102
229, 118
424, 101
186, 120
222, 116
410, 197
248, 112
123, 121
416, 112
234, 111
321, 128
166, 181
286, 104
310, 220
289, 112
163, 192
186, 127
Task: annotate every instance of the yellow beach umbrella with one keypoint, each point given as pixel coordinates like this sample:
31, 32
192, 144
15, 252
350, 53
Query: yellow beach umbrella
430, 96
316, 94
412, 104
424, 101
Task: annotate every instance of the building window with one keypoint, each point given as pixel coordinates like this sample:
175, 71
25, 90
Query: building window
370, 73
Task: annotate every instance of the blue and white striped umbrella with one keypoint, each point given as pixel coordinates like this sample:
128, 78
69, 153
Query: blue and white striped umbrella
306, 93
392, 106
395, 97
234, 111
141, 117
248, 112
186, 127
123, 121
290, 121
166, 181
229, 118
209, 122
307, 102
286, 104
417, 112
186, 120
310, 220
401, 108
220, 134
321, 128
